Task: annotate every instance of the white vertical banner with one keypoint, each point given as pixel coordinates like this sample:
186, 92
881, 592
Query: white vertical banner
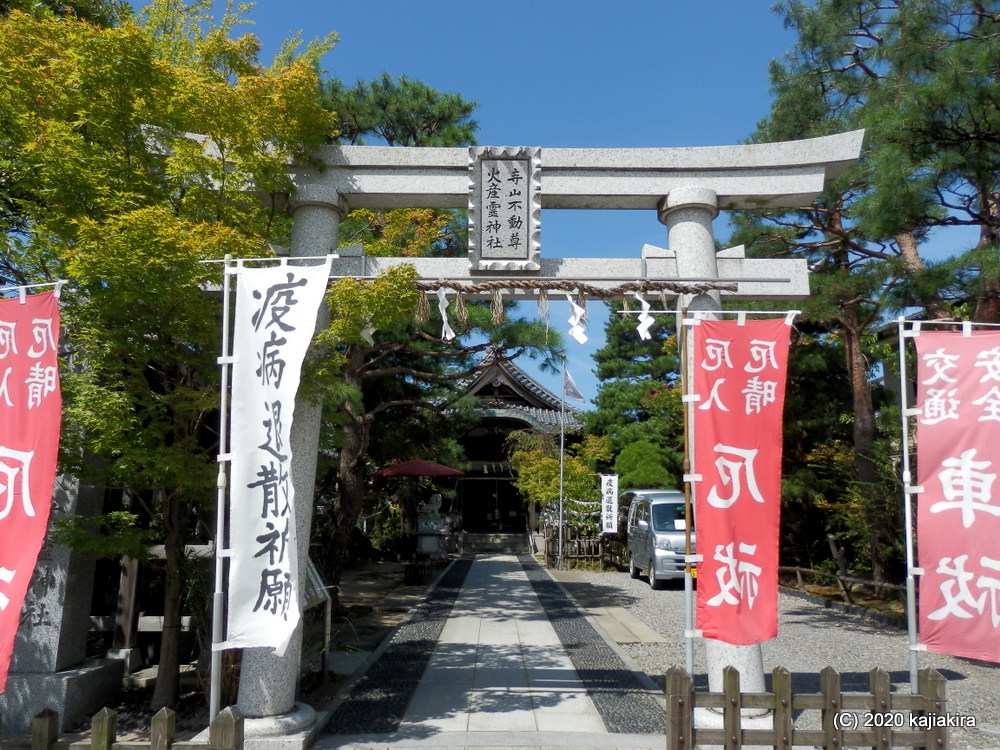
276, 311
609, 503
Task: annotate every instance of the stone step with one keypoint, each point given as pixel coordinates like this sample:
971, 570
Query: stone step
495, 542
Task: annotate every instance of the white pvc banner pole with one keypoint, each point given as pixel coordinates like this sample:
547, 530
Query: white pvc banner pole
562, 451
218, 595
690, 559
911, 568
276, 311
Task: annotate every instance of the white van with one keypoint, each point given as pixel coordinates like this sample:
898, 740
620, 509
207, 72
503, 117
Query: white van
656, 534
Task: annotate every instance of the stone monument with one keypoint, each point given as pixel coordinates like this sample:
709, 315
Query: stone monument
432, 530
48, 668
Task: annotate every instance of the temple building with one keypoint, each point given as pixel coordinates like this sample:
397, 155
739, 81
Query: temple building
508, 399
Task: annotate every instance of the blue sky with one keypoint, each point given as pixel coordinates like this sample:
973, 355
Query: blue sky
552, 73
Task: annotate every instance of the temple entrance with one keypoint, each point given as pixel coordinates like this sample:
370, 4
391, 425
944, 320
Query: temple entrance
491, 505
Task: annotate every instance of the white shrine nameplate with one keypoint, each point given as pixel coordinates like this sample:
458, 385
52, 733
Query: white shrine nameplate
504, 209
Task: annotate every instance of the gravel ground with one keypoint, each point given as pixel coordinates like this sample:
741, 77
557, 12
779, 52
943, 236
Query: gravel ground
811, 637
376, 705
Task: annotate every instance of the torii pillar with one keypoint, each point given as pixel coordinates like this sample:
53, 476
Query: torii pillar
686, 186
268, 682
688, 213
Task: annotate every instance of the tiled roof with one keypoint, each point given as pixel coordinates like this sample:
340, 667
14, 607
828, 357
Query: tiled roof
542, 417
543, 407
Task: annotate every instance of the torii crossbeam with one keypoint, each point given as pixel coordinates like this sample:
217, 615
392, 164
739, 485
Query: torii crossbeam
687, 187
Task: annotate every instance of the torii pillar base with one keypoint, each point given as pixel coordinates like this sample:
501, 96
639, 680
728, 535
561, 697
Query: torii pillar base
749, 661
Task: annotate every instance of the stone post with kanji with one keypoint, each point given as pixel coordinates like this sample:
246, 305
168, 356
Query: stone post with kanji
50, 667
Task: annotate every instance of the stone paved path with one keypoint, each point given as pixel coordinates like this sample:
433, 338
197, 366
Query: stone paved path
498, 656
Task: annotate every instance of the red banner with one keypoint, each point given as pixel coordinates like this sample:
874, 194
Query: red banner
30, 410
739, 381
958, 511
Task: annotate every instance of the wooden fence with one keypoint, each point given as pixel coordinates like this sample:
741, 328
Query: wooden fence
878, 719
579, 551
844, 582
224, 733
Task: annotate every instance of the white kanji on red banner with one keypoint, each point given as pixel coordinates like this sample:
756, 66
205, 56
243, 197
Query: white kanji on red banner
30, 414
958, 512
739, 379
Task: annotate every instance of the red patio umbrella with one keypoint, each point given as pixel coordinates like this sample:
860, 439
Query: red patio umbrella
418, 468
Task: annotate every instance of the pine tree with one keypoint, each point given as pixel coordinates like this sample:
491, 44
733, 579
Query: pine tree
919, 77
644, 433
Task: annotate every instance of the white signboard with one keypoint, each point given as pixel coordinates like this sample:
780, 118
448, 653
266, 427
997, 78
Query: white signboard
504, 209
609, 503
275, 319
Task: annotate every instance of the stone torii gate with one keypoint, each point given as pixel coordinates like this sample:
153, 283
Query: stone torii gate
686, 187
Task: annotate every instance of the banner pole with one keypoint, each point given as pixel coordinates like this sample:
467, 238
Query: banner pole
682, 342
218, 596
562, 450
911, 599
